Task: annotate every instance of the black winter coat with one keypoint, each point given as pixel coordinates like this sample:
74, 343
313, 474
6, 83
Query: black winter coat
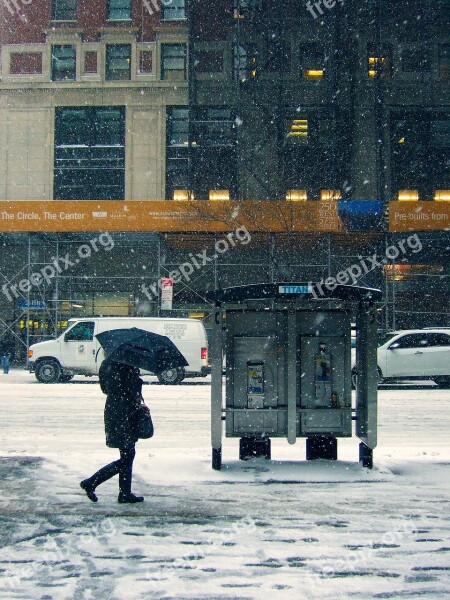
122, 386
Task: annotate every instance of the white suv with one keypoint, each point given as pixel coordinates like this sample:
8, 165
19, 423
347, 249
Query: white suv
415, 354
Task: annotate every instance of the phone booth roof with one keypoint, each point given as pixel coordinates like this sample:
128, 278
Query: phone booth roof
300, 291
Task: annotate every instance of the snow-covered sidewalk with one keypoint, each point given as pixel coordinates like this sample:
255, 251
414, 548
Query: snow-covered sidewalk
283, 528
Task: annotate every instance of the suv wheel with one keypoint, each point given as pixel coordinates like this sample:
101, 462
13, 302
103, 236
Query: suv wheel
171, 376
48, 371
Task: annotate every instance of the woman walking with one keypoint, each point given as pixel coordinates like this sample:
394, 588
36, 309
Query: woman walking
122, 386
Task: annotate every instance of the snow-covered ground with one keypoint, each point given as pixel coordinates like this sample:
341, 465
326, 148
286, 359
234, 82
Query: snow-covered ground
274, 529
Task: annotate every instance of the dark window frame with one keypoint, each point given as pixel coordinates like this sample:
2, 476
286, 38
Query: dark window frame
89, 153
55, 59
126, 6
109, 70
168, 11
165, 56
64, 10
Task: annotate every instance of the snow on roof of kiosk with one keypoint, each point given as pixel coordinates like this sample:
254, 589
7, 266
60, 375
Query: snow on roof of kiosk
295, 290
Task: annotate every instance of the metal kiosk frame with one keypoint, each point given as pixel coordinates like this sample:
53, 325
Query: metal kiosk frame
348, 303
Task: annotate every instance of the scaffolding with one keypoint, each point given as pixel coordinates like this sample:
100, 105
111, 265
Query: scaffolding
415, 294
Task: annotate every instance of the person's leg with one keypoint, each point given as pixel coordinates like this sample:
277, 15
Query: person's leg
126, 475
99, 477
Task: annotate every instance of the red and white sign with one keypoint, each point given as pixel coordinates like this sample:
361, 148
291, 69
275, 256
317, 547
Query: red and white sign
166, 293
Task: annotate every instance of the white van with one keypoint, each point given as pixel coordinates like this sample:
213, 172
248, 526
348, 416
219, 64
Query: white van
78, 352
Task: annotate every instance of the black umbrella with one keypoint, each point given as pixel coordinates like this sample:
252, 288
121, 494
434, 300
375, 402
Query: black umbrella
143, 349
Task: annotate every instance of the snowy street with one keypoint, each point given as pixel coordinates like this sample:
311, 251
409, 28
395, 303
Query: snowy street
284, 528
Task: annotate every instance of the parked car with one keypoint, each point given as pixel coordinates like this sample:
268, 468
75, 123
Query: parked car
77, 350
414, 354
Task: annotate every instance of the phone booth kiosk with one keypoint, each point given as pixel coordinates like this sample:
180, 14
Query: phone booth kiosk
288, 368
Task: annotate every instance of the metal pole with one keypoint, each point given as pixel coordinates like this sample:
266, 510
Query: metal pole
216, 388
56, 290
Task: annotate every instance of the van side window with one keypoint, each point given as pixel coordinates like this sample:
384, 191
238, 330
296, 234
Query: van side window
81, 332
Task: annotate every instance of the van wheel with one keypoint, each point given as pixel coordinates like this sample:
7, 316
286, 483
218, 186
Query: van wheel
171, 376
48, 371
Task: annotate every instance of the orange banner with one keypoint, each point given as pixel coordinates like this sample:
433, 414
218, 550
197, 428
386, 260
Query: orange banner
168, 216
419, 216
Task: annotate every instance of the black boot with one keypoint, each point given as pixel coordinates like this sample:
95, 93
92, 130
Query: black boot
125, 478
102, 475
87, 486
129, 498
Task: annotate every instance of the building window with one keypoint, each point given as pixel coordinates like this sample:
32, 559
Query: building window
297, 131
214, 127
444, 61
118, 62
245, 62
413, 60
278, 52
174, 10
89, 153
440, 133
209, 61
311, 139
64, 60
64, 10
177, 127
119, 10
177, 132
312, 61
379, 62
173, 62
420, 152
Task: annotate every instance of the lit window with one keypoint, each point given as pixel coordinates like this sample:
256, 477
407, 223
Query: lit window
64, 10
245, 62
173, 62
312, 61
118, 61
379, 63
298, 131
174, 10
63, 63
119, 10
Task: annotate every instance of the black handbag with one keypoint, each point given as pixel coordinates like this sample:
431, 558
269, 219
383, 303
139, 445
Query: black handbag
145, 428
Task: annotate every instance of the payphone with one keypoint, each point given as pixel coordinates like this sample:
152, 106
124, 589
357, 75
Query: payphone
288, 357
